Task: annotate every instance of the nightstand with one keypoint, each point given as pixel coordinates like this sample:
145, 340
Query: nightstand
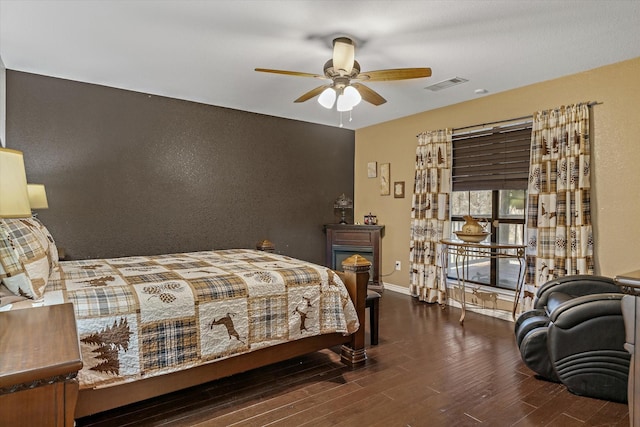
39, 361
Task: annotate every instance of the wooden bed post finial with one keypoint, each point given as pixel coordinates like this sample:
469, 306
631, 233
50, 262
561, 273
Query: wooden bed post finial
356, 263
266, 246
356, 269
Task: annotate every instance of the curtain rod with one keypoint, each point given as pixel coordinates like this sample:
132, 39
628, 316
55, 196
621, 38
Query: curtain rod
529, 117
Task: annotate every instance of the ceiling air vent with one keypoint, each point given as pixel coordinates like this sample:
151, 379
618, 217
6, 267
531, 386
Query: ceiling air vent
446, 83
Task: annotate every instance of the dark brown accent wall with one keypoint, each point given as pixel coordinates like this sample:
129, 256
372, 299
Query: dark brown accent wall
128, 173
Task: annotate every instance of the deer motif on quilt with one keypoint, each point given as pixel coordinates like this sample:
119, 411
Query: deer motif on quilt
227, 322
306, 303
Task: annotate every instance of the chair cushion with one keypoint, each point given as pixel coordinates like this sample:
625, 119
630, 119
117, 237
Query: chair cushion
372, 294
529, 324
533, 350
555, 299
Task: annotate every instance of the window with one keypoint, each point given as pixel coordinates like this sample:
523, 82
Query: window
490, 175
503, 211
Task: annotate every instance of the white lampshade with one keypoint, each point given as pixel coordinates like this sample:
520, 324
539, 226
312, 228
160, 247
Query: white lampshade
342, 104
14, 197
353, 96
343, 55
37, 196
327, 98
349, 98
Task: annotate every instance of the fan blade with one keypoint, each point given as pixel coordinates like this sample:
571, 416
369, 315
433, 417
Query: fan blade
314, 92
290, 73
394, 74
369, 95
344, 53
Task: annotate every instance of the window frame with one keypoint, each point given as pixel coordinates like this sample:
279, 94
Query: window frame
494, 237
493, 172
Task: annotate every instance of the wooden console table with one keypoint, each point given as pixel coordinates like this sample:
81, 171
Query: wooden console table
39, 361
344, 240
463, 252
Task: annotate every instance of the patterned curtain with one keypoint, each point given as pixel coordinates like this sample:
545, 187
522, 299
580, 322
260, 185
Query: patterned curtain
430, 214
559, 233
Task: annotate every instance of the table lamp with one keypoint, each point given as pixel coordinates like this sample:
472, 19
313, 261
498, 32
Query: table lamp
343, 203
14, 197
37, 196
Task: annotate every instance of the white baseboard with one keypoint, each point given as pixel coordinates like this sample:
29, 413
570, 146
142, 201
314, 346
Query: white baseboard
396, 288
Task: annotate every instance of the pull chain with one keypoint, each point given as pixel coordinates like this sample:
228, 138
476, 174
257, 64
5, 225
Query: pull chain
350, 118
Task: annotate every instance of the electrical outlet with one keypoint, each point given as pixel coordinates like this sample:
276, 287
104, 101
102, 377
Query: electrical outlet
398, 265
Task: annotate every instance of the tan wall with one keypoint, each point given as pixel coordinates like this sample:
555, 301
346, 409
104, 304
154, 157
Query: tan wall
615, 159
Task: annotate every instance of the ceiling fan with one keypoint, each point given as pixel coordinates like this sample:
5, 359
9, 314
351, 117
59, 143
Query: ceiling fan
346, 78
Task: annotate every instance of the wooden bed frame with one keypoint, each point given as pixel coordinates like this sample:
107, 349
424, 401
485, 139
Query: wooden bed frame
355, 278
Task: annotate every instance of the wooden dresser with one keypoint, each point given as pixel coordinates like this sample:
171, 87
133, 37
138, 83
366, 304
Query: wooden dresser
39, 361
344, 240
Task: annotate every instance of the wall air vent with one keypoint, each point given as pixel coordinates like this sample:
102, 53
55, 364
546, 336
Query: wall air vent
446, 83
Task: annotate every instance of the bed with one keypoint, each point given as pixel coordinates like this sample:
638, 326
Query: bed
149, 325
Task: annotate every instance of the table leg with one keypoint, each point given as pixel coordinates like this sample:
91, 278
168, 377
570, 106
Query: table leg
461, 281
519, 286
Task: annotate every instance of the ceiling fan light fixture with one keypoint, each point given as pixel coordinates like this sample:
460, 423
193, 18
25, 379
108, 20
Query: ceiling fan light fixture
342, 104
327, 98
345, 89
352, 95
349, 98
344, 54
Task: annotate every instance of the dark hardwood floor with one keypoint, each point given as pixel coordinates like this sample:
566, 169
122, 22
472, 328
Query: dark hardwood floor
427, 371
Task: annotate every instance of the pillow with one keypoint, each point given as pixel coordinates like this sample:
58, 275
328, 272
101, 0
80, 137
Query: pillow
45, 239
7, 297
24, 264
48, 243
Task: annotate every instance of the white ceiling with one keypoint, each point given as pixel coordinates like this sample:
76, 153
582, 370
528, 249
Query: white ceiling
206, 51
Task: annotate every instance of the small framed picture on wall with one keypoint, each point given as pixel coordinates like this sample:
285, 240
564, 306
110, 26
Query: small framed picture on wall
385, 184
398, 189
372, 169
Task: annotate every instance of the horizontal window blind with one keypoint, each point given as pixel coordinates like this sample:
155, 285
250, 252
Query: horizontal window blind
495, 158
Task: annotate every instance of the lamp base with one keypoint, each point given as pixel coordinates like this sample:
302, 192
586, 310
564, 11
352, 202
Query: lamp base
343, 217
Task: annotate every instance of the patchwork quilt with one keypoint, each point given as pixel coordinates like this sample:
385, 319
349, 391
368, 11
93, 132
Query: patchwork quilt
144, 316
